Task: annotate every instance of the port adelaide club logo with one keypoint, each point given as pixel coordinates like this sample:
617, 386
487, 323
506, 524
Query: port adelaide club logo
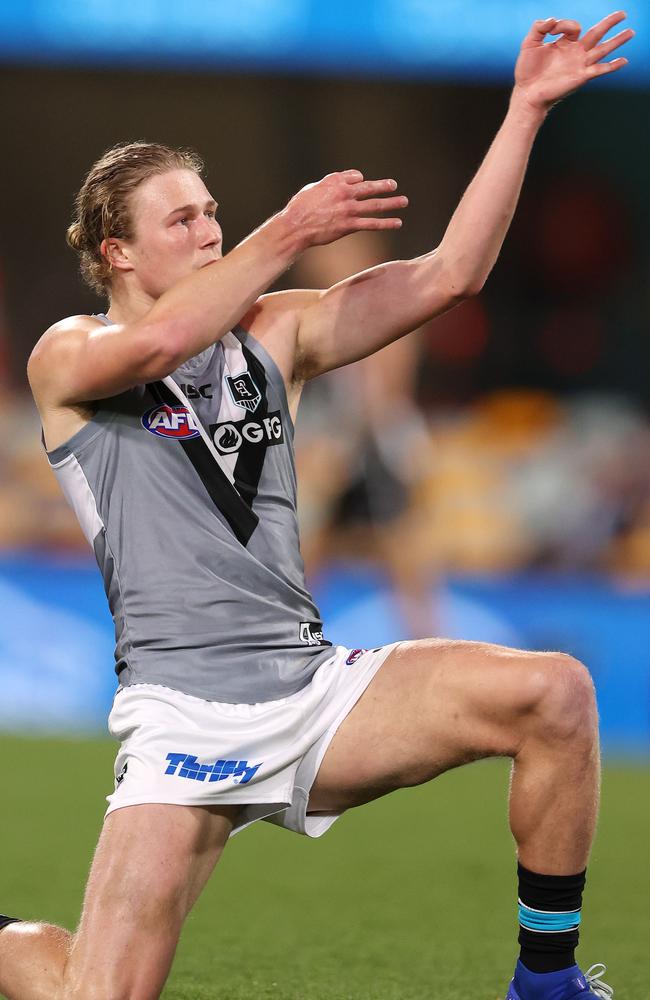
243, 390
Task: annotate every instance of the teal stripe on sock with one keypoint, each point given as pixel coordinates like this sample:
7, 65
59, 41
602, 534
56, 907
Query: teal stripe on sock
539, 920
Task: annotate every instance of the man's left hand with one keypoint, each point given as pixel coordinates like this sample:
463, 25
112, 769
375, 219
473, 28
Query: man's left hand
547, 72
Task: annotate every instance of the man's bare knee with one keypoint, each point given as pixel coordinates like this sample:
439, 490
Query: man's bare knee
120, 977
562, 699
92, 989
521, 697
136, 966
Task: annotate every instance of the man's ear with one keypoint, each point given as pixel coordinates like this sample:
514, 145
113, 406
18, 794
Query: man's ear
117, 255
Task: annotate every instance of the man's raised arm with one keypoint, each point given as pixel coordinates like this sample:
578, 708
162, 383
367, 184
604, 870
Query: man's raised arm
360, 315
80, 359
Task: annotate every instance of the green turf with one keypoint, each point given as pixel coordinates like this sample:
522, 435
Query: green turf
410, 897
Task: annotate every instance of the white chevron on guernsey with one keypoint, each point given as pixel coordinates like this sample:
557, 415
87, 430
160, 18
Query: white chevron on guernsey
79, 495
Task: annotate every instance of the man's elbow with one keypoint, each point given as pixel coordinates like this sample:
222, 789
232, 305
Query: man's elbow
468, 289
463, 282
460, 290
445, 284
467, 277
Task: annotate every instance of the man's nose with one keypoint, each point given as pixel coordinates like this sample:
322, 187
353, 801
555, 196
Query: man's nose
209, 234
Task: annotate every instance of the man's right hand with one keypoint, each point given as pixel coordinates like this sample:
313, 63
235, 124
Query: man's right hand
340, 204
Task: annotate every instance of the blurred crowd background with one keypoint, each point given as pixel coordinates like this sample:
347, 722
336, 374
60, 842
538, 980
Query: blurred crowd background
507, 440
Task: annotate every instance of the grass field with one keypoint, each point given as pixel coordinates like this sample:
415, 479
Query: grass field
410, 897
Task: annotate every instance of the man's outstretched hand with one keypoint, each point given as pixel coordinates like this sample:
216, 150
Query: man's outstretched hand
343, 203
547, 72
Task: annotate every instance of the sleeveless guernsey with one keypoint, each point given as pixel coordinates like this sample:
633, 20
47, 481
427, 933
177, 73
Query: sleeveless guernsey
186, 490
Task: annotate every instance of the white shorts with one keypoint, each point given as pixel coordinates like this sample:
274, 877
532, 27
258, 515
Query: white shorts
182, 750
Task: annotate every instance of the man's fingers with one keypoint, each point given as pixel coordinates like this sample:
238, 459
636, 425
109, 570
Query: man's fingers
570, 29
363, 223
594, 35
372, 205
600, 51
368, 188
599, 69
352, 176
538, 32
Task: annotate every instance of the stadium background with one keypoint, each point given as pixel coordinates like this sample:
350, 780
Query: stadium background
486, 478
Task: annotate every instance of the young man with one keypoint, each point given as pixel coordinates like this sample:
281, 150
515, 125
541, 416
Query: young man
169, 423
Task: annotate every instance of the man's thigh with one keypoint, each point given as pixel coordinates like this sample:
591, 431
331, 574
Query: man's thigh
433, 705
150, 866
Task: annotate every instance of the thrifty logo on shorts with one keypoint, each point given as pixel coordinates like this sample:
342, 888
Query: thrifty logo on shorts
184, 765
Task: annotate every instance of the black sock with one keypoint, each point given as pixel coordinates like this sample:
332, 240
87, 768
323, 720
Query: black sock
549, 918
7, 920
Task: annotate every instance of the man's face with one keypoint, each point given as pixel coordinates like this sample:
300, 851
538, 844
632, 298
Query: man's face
175, 230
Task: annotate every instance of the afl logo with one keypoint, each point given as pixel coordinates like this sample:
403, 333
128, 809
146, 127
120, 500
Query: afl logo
170, 422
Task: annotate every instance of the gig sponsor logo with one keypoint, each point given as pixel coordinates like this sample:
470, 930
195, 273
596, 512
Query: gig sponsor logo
229, 436
170, 422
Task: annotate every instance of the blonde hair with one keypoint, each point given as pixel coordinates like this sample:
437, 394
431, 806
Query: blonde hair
102, 205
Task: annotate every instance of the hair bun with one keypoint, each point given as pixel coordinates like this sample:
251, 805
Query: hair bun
74, 236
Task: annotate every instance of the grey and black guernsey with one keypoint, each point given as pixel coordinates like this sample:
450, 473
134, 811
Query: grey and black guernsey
186, 490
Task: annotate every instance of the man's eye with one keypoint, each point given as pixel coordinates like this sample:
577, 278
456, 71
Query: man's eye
211, 214
183, 221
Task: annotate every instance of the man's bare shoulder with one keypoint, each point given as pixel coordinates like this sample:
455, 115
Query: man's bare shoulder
46, 370
57, 340
52, 356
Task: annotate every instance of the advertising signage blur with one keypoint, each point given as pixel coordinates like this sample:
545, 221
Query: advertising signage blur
452, 39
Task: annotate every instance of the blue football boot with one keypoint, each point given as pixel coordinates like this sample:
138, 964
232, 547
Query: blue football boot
566, 984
